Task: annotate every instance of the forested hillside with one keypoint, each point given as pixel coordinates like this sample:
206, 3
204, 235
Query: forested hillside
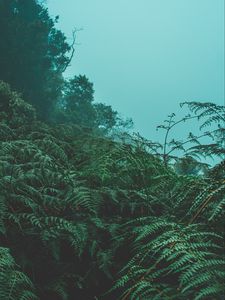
88, 210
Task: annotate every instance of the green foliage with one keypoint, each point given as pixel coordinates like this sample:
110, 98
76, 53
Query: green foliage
77, 106
33, 53
208, 144
85, 211
173, 261
33, 57
14, 284
211, 116
86, 215
106, 117
179, 254
14, 110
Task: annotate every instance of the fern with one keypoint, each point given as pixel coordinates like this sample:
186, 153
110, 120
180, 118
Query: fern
14, 284
187, 257
78, 208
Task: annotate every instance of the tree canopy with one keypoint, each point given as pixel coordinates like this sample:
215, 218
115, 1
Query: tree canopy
32, 53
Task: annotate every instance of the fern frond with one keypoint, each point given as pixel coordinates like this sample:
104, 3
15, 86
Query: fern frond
13, 283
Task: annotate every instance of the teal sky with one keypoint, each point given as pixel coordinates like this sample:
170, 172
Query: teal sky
146, 56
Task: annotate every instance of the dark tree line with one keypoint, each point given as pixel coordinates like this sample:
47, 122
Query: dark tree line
32, 52
34, 55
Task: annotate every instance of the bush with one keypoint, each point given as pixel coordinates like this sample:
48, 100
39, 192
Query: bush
14, 111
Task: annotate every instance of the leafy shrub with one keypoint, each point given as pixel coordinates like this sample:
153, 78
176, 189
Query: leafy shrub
14, 110
88, 217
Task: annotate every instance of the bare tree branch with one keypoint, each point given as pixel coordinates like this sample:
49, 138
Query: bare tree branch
72, 46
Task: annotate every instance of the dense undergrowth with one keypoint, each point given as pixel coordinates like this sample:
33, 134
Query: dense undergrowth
87, 211
83, 216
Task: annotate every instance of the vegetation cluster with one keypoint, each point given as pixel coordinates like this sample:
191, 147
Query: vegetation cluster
87, 210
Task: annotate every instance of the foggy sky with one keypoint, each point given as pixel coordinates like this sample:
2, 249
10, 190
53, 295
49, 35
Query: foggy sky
146, 56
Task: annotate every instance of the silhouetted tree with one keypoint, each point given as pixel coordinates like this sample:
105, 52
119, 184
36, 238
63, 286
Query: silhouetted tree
106, 117
33, 53
77, 101
77, 106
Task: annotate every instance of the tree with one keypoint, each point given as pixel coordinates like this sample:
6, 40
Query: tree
33, 53
14, 110
78, 99
106, 117
78, 106
189, 166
